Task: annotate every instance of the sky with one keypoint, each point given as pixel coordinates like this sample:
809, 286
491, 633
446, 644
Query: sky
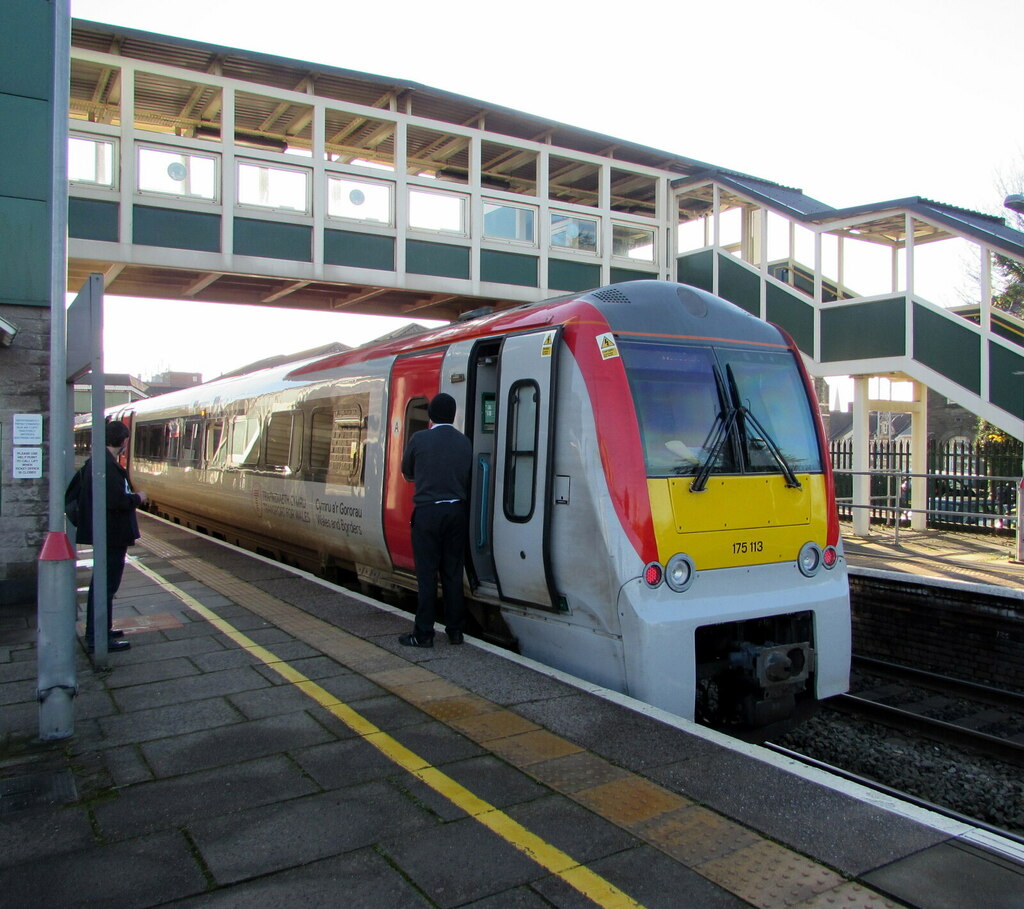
852, 101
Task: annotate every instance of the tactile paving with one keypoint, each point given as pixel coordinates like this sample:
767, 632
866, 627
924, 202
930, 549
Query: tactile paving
849, 896
769, 876
630, 800
582, 770
694, 835
498, 724
453, 708
532, 747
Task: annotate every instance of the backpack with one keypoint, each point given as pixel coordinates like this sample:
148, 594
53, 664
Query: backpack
73, 498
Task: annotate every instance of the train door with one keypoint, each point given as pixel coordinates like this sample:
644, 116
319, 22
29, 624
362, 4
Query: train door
414, 381
522, 467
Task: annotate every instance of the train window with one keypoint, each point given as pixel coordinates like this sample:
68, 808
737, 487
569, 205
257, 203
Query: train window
338, 441
770, 387
191, 442
521, 450
416, 417
243, 441
573, 233
677, 406
150, 440
279, 441
214, 438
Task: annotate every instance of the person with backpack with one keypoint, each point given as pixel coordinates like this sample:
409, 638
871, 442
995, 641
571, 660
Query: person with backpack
122, 527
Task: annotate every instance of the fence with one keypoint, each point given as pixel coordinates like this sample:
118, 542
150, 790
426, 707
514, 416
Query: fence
970, 486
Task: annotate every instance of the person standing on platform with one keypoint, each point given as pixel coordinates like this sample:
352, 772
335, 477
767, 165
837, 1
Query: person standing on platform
122, 530
439, 461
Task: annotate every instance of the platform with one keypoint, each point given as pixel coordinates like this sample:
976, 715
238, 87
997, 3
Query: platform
267, 741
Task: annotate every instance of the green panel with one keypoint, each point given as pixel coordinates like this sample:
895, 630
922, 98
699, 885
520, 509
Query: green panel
24, 252
1005, 380
739, 285
92, 219
345, 247
950, 349
695, 269
864, 330
442, 259
508, 268
618, 275
26, 171
565, 275
273, 240
793, 314
175, 229
26, 54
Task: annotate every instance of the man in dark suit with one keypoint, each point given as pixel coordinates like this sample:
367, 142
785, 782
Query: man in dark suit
122, 529
439, 461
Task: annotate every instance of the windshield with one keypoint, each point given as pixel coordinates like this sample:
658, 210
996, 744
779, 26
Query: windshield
687, 396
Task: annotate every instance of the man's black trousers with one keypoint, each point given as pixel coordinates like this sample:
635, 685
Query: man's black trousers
439, 547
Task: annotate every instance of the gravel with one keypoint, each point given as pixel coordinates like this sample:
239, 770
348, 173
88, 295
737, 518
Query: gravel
975, 786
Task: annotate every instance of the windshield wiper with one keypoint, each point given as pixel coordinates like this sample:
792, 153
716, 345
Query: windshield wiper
724, 422
747, 417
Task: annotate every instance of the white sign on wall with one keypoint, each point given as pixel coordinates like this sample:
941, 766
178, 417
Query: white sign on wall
28, 429
28, 463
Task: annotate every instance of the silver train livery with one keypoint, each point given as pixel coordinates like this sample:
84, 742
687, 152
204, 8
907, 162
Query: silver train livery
652, 502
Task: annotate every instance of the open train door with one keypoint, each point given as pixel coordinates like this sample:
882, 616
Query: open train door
523, 461
414, 381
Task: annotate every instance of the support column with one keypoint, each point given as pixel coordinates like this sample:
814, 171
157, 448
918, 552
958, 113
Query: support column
919, 457
861, 482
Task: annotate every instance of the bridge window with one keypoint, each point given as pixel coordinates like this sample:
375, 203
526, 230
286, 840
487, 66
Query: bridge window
268, 186
359, 200
353, 139
634, 194
91, 161
509, 169
437, 211
573, 182
441, 156
510, 222
178, 173
630, 242
573, 233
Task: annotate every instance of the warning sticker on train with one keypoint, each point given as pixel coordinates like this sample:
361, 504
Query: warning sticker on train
606, 344
547, 344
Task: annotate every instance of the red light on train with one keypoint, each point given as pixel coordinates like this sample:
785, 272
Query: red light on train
653, 573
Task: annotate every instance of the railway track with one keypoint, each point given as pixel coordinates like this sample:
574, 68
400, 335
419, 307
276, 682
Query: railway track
963, 714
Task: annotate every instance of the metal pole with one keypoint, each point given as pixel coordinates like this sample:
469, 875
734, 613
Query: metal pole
57, 683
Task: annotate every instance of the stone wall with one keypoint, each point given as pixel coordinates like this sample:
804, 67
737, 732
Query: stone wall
24, 388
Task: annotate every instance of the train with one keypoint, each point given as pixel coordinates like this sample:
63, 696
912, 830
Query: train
652, 505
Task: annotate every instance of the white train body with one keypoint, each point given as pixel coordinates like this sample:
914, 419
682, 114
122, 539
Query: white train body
652, 505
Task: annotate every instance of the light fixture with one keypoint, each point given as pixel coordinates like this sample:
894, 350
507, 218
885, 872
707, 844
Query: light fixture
1015, 202
7, 332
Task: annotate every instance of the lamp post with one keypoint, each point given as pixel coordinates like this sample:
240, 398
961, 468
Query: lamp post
1015, 202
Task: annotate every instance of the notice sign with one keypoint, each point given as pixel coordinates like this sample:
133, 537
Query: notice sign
28, 463
28, 429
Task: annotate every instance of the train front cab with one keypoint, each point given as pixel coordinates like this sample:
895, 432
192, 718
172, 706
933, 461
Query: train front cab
749, 586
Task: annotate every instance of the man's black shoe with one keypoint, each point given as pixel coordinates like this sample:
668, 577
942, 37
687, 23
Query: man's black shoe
410, 640
454, 637
116, 633
113, 645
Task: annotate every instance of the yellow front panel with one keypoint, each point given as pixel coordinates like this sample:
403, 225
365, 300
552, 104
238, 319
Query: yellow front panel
749, 520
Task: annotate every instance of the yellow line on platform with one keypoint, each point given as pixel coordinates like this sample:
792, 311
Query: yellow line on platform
576, 875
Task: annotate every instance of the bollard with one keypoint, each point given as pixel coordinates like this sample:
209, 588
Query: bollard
55, 655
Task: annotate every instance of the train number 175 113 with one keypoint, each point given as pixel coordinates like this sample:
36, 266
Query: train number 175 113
747, 546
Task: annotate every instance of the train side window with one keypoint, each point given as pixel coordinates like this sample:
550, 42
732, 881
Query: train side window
279, 441
191, 442
243, 442
521, 450
416, 417
214, 438
320, 442
150, 441
337, 442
